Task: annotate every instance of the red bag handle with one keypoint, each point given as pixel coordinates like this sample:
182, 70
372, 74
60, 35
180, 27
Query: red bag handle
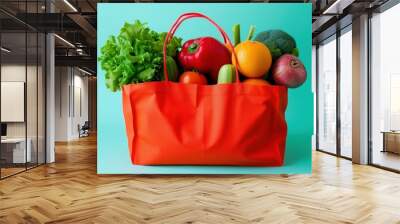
175, 26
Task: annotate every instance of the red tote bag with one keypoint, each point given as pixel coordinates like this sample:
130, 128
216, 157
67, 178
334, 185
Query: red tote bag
171, 123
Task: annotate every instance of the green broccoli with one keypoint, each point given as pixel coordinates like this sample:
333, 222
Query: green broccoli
278, 42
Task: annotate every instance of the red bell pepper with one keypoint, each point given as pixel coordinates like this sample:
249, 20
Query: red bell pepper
205, 55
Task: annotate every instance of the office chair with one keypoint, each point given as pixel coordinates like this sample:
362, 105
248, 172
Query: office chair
84, 130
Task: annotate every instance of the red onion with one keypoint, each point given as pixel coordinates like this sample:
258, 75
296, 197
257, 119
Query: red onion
289, 71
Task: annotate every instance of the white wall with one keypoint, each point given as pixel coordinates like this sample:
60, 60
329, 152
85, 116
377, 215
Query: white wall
71, 102
16, 73
62, 82
12, 73
13, 101
80, 103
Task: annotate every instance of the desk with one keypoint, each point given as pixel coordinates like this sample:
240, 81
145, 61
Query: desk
391, 141
16, 147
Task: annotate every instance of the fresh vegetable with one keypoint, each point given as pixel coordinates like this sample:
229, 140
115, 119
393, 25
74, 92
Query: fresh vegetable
135, 55
251, 33
205, 55
190, 77
172, 69
289, 71
227, 74
236, 37
257, 82
236, 34
254, 59
278, 42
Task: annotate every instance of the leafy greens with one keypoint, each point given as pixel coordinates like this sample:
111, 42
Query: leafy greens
135, 55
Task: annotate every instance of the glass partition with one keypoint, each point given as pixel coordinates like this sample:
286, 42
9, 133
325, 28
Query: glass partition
14, 155
22, 77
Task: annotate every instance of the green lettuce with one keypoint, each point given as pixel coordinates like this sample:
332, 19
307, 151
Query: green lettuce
135, 55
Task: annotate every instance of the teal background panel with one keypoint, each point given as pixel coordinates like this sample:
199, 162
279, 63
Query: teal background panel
113, 155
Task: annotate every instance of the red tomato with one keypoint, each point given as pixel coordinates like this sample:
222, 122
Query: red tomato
193, 78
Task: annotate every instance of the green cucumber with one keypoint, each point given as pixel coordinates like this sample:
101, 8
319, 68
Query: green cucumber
226, 74
236, 34
251, 32
172, 69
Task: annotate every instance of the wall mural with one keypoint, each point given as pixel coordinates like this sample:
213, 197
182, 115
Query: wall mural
204, 88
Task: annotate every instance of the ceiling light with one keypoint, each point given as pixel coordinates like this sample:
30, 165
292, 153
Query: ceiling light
70, 5
333, 6
5, 50
80, 51
65, 41
84, 71
337, 7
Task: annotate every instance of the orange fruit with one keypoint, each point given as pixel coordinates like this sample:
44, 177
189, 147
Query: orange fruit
257, 82
254, 59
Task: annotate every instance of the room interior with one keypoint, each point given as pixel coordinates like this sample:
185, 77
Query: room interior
386, 85
22, 101
335, 92
49, 92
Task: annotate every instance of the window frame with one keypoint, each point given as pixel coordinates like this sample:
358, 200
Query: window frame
379, 10
334, 37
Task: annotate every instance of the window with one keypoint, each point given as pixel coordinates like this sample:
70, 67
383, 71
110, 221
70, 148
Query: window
346, 92
385, 89
327, 96
314, 90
